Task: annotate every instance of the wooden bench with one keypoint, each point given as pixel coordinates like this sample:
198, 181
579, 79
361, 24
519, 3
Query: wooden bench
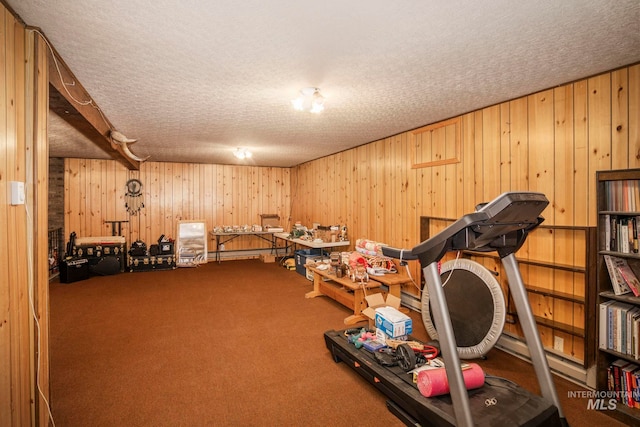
343, 290
393, 281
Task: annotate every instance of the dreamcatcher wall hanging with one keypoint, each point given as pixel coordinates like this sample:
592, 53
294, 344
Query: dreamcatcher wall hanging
133, 197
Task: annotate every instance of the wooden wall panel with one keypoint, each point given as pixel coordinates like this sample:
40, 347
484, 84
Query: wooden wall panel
468, 184
6, 163
478, 159
505, 147
619, 119
6, 151
451, 138
424, 190
24, 277
634, 113
540, 160
218, 194
15, 341
541, 147
37, 172
519, 143
341, 188
438, 173
490, 153
379, 172
599, 132
581, 156
563, 165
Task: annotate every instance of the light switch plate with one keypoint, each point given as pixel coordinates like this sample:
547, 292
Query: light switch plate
558, 343
17, 193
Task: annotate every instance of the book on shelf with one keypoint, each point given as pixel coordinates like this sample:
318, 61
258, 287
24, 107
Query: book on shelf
624, 237
635, 394
634, 238
629, 276
632, 330
623, 378
618, 284
607, 232
621, 233
616, 369
604, 324
614, 233
622, 195
628, 382
619, 328
635, 325
620, 343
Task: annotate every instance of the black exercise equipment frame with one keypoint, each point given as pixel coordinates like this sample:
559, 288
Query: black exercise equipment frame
499, 402
501, 225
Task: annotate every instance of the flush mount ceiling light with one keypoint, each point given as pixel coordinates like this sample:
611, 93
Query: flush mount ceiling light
242, 153
310, 99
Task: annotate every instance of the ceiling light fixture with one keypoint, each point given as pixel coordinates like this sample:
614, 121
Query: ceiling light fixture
242, 153
310, 99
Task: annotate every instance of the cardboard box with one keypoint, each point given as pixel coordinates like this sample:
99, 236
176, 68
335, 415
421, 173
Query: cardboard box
377, 300
392, 322
267, 258
269, 220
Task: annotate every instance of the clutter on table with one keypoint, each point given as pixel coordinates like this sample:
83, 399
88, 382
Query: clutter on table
320, 233
356, 265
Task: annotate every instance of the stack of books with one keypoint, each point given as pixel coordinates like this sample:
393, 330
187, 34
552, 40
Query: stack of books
619, 328
623, 379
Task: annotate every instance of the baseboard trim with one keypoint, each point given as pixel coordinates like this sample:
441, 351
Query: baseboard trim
411, 302
562, 366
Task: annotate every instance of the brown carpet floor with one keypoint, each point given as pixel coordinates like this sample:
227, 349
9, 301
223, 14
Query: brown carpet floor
229, 344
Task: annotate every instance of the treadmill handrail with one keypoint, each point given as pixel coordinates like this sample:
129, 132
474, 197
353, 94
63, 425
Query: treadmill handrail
400, 254
491, 224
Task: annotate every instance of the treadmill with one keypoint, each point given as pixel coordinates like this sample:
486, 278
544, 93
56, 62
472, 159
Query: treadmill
501, 225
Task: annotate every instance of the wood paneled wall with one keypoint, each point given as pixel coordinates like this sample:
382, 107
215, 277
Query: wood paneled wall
24, 278
551, 142
218, 194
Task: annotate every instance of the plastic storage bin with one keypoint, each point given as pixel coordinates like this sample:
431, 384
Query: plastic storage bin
301, 256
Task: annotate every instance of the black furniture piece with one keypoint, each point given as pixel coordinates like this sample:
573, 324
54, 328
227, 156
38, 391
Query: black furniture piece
74, 269
499, 402
501, 225
151, 262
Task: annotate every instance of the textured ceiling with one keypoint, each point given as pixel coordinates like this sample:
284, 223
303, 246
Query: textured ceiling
194, 79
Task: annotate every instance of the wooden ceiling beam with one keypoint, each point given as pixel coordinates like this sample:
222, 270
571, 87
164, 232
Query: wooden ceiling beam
65, 82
